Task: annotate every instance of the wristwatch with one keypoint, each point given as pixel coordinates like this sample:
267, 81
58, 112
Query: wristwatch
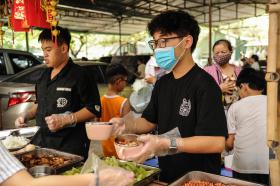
173, 146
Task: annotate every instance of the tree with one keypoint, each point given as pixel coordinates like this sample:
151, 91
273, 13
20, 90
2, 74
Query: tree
77, 43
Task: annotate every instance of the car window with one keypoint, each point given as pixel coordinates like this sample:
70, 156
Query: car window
2, 65
30, 76
21, 62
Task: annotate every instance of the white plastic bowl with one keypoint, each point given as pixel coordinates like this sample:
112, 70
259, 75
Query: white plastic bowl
99, 130
124, 151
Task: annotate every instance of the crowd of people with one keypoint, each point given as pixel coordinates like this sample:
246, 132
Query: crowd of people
195, 112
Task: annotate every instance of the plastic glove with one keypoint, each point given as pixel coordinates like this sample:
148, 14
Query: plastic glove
118, 126
56, 122
21, 121
114, 176
153, 146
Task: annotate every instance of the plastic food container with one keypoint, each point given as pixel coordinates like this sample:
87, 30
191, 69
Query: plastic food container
127, 145
99, 130
41, 170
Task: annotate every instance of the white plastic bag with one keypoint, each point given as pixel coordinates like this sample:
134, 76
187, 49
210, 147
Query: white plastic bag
140, 97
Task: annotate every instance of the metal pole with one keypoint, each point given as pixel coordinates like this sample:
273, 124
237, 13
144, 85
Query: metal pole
27, 41
87, 45
210, 33
120, 34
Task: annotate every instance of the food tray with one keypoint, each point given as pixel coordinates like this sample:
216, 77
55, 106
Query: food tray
142, 182
148, 179
203, 176
27, 132
70, 159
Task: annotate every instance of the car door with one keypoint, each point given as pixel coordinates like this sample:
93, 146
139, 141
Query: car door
3, 70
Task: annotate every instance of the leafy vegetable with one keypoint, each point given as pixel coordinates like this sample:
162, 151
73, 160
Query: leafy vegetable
139, 172
73, 171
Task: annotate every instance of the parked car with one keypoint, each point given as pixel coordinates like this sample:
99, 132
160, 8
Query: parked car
17, 93
14, 61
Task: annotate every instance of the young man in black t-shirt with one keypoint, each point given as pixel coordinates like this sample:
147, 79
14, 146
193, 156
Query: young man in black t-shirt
67, 96
187, 99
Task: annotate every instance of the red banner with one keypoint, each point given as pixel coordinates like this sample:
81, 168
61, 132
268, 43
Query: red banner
35, 15
28, 13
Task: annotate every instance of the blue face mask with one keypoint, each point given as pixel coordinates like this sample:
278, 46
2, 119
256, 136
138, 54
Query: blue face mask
165, 57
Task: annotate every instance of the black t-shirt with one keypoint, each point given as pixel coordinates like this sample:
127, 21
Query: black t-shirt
193, 103
71, 90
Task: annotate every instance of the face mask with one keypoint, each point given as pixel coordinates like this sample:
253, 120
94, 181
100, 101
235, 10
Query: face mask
222, 59
165, 57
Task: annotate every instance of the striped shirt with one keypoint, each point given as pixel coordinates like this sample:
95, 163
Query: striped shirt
9, 165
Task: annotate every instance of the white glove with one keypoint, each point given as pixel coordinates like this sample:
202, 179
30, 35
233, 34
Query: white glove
114, 177
20, 122
153, 146
56, 122
118, 126
127, 124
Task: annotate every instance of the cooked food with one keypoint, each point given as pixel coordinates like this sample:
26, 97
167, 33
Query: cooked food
203, 183
31, 160
128, 141
13, 142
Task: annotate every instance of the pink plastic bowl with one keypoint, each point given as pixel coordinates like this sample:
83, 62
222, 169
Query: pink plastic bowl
99, 130
127, 145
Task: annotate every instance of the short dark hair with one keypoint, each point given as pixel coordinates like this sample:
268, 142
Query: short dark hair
255, 57
255, 79
227, 42
63, 37
115, 71
178, 22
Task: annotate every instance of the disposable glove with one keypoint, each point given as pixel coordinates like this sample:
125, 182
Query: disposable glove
127, 124
118, 126
114, 176
153, 146
56, 122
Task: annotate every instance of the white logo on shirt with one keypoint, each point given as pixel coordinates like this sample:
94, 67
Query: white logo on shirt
61, 102
63, 89
185, 107
97, 108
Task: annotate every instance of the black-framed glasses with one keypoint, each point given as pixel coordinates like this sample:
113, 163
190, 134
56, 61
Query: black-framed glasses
161, 43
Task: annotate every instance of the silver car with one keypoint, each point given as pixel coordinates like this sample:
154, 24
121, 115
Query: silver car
17, 93
14, 61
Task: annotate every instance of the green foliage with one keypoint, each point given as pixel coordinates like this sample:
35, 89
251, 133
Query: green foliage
139, 172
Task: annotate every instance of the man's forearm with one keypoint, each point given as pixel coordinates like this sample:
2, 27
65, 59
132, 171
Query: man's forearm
83, 115
138, 126
201, 144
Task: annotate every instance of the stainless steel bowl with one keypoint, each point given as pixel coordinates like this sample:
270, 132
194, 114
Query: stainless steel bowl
41, 170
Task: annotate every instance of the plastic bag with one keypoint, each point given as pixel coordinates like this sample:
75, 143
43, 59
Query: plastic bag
140, 97
92, 163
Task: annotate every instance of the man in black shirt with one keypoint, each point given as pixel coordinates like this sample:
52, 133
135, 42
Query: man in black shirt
185, 100
67, 96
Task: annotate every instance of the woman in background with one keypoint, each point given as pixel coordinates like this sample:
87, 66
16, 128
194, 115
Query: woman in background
225, 74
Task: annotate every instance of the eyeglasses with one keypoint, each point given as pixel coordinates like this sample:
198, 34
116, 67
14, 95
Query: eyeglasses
161, 43
124, 79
